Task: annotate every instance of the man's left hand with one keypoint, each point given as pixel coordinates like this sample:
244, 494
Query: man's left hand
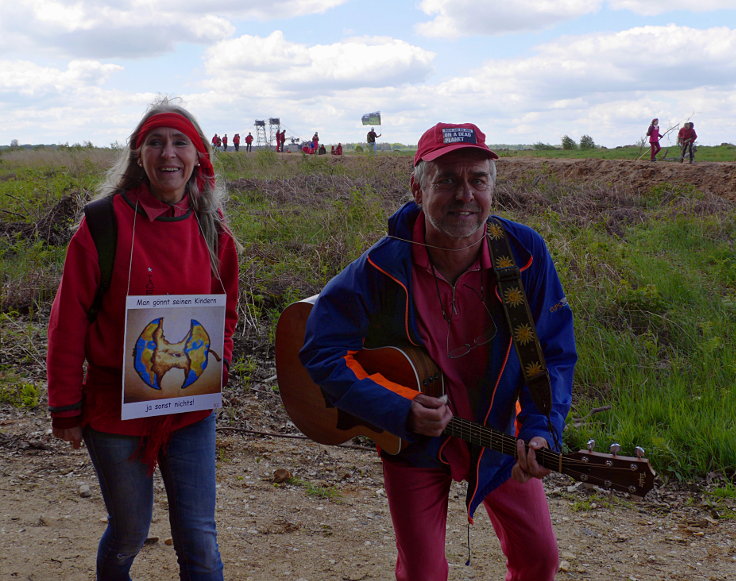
527, 466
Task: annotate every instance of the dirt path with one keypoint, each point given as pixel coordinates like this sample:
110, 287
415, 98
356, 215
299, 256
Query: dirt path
332, 522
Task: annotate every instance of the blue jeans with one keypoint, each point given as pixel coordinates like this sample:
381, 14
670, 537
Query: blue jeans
188, 471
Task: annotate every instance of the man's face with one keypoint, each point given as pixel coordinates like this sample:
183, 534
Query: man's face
455, 194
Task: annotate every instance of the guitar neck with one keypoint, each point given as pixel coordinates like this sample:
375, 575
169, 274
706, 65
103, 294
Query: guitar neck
479, 435
623, 473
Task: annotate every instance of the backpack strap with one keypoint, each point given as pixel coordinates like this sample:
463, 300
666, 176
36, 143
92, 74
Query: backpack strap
519, 317
101, 222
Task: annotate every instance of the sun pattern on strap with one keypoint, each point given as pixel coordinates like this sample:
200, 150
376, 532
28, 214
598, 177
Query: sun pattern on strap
513, 297
495, 231
524, 334
534, 368
505, 262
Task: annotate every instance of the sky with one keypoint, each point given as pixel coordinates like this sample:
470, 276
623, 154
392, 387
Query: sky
524, 71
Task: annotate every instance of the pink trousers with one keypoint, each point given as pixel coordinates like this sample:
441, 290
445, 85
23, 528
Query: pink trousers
418, 500
655, 149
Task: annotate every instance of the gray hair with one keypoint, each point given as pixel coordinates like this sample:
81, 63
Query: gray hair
420, 171
126, 174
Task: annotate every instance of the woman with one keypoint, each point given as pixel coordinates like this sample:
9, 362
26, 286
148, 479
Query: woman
171, 239
654, 137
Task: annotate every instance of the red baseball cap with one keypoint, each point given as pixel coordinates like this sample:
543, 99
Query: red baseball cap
446, 137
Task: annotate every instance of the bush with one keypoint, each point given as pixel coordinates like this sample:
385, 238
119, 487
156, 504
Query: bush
586, 142
568, 143
539, 146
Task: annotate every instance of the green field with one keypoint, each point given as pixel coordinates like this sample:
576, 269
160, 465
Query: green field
654, 297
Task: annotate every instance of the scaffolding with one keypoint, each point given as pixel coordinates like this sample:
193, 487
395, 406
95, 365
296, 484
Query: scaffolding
261, 138
274, 126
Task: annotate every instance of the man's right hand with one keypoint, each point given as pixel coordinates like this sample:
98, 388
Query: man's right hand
429, 415
72, 435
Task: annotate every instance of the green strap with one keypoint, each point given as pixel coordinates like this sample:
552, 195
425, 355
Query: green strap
519, 317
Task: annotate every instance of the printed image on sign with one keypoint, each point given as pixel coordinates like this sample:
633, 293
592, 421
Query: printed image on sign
173, 354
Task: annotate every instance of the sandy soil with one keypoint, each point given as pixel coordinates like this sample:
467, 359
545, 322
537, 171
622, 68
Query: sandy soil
330, 521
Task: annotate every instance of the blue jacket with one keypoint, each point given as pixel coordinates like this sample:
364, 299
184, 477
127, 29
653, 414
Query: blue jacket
369, 304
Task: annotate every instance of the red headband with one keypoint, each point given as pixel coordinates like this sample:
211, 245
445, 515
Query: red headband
181, 123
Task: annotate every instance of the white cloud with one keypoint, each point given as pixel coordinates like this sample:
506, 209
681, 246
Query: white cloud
459, 18
655, 7
277, 66
604, 85
134, 28
29, 79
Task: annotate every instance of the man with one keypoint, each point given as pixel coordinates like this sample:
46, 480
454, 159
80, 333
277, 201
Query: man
248, 142
371, 137
430, 283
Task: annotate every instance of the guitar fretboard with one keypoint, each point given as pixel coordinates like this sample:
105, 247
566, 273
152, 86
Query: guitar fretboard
479, 435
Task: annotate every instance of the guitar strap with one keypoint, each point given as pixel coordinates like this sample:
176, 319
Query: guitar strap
519, 317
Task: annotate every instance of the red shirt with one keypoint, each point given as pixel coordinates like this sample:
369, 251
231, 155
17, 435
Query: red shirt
169, 256
469, 324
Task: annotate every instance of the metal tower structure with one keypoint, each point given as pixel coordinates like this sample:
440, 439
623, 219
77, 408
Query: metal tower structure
274, 126
261, 138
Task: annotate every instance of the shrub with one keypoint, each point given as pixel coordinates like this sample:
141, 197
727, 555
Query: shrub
586, 142
568, 143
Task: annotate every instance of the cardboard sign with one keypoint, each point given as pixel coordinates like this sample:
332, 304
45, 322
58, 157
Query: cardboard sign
172, 361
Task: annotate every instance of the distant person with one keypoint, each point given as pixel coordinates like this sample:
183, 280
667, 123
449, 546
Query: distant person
248, 142
315, 141
686, 138
371, 137
172, 239
224, 142
215, 141
337, 150
236, 141
654, 137
282, 138
321, 150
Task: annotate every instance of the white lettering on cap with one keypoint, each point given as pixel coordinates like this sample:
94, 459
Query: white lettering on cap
458, 135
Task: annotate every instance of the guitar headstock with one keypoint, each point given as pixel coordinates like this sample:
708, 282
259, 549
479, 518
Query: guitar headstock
622, 473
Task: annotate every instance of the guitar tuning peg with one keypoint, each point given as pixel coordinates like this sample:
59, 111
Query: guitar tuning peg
639, 452
614, 449
591, 445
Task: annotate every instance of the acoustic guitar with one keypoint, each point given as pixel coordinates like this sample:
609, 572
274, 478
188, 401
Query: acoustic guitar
412, 367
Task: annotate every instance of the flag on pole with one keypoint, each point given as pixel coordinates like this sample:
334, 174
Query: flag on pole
372, 118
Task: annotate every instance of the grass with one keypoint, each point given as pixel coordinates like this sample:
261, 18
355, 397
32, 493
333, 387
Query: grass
651, 277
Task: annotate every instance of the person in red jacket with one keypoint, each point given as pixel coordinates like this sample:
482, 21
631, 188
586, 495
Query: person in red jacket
248, 142
172, 239
654, 137
236, 141
686, 139
224, 142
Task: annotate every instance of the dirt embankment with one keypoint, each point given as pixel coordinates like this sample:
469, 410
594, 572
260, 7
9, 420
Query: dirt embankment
632, 176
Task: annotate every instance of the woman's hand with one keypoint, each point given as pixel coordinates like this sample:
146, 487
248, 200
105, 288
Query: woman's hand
72, 435
527, 466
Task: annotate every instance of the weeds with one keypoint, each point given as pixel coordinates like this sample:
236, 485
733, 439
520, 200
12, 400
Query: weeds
327, 493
